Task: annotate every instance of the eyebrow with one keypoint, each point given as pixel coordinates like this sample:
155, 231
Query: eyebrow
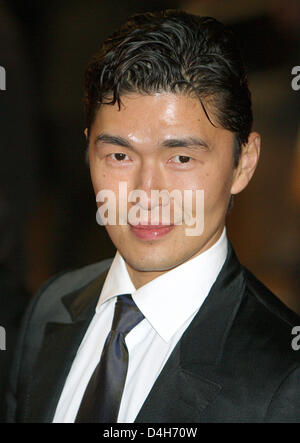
182, 142
113, 140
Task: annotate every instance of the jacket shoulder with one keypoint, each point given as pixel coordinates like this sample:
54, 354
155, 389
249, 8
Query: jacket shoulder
266, 319
69, 281
269, 301
45, 306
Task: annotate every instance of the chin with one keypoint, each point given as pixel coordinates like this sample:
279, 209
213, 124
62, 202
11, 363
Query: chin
152, 265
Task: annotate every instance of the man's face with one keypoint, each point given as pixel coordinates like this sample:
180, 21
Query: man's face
162, 142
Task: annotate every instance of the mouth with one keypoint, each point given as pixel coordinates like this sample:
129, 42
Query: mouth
150, 232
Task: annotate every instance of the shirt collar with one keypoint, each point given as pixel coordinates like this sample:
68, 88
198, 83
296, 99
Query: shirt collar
170, 299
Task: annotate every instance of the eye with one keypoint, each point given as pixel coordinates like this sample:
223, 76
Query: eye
119, 156
181, 159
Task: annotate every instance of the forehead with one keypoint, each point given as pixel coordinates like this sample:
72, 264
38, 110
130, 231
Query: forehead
158, 115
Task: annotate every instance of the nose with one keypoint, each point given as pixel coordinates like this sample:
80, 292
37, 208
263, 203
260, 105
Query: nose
149, 178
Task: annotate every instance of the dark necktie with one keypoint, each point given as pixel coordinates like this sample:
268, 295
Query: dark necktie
102, 397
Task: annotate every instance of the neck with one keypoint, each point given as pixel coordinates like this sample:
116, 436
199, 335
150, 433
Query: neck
140, 278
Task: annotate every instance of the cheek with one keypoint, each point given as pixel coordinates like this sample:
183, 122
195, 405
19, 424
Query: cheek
188, 180
100, 179
216, 183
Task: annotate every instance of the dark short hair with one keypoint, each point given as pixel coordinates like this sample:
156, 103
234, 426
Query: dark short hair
172, 51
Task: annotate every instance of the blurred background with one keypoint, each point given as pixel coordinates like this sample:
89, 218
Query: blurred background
47, 205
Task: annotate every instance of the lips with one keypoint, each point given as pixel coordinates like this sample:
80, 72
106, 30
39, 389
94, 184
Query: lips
143, 226
151, 232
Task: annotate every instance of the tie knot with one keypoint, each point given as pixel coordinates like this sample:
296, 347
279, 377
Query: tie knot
127, 314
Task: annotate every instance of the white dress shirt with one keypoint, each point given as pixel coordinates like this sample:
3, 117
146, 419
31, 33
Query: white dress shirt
169, 304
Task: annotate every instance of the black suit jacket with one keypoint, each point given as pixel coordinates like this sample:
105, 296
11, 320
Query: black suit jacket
234, 363
13, 300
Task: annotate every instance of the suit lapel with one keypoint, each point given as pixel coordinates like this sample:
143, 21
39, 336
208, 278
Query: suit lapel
179, 395
187, 383
58, 350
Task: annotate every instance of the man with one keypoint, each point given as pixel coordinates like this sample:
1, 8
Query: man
174, 329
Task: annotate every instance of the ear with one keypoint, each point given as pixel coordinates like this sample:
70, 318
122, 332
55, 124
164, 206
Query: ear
86, 133
247, 163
